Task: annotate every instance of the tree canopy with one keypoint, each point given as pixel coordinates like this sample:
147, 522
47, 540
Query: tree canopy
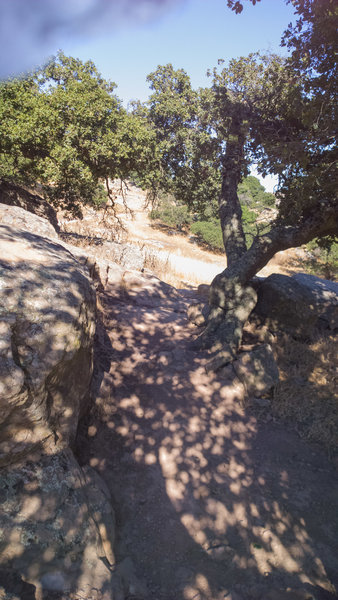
64, 127
278, 113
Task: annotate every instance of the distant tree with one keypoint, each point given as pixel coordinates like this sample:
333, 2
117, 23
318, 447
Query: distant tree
252, 193
64, 127
187, 164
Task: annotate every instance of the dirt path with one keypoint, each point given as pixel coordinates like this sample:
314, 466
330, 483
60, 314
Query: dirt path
211, 502
185, 258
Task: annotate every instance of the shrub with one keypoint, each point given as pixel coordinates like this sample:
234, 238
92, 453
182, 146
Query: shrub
172, 215
100, 196
252, 193
323, 259
209, 232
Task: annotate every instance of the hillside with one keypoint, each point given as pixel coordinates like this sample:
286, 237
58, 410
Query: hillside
175, 258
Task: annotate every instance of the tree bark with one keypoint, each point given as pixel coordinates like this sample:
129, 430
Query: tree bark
232, 298
229, 208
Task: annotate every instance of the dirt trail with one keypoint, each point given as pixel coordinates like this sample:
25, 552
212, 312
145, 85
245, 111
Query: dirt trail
211, 501
185, 258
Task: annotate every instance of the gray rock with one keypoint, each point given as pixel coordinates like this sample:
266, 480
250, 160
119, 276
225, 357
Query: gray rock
51, 535
257, 370
203, 290
198, 313
57, 526
285, 304
128, 256
323, 295
15, 195
14, 216
47, 321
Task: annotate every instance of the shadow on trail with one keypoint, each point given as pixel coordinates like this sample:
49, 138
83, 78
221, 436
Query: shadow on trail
208, 500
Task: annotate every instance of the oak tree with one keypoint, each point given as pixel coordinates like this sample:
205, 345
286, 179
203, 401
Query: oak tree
64, 128
277, 113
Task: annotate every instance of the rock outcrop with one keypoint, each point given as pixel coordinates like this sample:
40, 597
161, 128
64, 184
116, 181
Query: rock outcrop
323, 295
14, 216
57, 525
298, 305
257, 370
56, 522
15, 195
47, 327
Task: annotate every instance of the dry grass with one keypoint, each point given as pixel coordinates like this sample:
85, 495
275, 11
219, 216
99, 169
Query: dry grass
179, 270
307, 392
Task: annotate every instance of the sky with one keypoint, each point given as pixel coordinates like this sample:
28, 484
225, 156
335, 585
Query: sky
128, 39
191, 35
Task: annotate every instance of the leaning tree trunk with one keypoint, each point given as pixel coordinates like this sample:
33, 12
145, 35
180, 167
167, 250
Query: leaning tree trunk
232, 297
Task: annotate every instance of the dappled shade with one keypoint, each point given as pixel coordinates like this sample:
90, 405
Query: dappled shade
209, 500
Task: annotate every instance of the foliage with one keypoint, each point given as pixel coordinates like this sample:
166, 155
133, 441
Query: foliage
210, 233
237, 6
64, 127
185, 149
26, 130
311, 179
171, 214
100, 197
195, 129
252, 193
323, 258
250, 225
259, 109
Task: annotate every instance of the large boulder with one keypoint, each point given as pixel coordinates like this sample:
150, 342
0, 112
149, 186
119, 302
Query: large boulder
56, 523
47, 326
298, 304
22, 219
57, 528
15, 195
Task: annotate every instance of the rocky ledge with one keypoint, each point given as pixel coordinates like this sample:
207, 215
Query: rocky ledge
56, 522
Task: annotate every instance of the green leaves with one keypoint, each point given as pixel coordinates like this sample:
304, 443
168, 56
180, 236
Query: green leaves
65, 128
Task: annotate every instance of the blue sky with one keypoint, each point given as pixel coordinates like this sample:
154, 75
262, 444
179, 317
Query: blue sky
127, 39
191, 35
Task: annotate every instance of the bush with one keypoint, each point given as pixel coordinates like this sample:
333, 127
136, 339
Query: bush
172, 215
249, 224
252, 193
323, 259
100, 196
209, 232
